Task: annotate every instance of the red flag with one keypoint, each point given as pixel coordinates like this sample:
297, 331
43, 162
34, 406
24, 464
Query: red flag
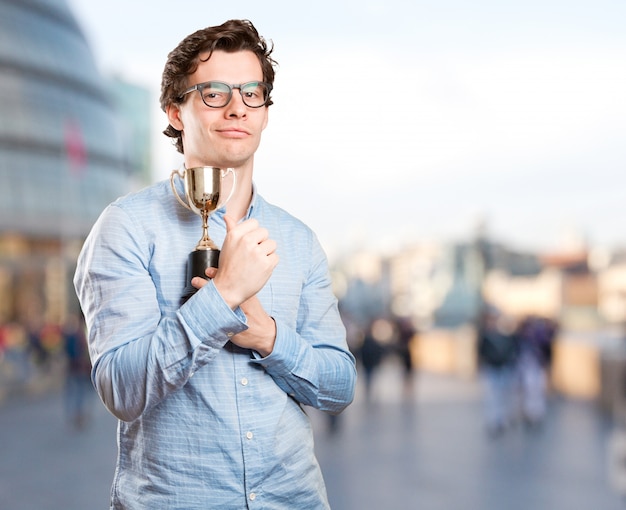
75, 147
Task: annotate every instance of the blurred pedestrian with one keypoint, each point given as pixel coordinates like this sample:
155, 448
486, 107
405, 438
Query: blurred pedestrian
78, 387
371, 355
18, 365
405, 339
536, 336
498, 352
37, 352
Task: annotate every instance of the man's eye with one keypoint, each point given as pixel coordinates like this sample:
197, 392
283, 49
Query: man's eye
212, 96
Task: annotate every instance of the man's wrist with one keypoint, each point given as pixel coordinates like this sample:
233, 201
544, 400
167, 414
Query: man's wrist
268, 344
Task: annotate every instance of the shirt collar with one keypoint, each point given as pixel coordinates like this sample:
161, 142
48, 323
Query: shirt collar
253, 202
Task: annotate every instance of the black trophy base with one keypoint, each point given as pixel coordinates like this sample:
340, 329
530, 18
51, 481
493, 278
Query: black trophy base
197, 262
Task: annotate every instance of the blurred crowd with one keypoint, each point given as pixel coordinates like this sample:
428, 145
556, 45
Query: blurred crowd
379, 340
514, 358
39, 355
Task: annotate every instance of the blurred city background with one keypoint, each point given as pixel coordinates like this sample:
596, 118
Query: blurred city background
478, 169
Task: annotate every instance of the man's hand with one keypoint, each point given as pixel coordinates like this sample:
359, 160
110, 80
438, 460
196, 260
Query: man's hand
261, 332
247, 260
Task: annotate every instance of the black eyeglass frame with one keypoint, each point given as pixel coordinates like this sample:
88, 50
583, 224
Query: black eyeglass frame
201, 86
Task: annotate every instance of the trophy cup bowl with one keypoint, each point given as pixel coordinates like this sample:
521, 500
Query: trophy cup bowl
203, 187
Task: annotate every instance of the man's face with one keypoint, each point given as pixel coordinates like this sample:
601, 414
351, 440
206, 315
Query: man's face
222, 137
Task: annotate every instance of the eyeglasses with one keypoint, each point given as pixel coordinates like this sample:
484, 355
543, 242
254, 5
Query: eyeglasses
217, 94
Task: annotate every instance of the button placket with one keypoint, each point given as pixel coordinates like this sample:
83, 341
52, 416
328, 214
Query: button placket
246, 398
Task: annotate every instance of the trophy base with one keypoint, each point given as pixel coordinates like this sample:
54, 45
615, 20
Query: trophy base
197, 262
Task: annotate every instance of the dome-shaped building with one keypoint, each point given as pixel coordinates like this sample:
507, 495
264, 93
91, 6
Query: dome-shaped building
61, 155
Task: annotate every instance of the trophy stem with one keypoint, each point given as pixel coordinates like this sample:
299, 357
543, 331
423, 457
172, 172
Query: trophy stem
205, 243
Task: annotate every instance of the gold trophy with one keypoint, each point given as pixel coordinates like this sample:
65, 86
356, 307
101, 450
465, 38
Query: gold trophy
203, 186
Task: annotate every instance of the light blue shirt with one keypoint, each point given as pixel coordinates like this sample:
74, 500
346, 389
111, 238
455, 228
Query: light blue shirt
203, 423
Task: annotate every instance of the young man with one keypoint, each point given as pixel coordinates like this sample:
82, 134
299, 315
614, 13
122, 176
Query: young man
209, 394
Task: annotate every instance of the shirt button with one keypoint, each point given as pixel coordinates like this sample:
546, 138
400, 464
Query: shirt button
230, 334
244, 382
252, 496
249, 435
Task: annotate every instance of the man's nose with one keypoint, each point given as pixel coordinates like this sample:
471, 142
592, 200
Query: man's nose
236, 106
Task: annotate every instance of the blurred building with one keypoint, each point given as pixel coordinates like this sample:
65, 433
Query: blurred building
64, 154
438, 285
132, 104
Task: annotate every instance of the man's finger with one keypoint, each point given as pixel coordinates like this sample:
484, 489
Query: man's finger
210, 272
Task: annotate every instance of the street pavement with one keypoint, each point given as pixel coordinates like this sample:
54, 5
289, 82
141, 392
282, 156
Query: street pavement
427, 451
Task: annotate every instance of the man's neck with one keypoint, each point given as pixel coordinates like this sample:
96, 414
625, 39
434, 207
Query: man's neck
237, 206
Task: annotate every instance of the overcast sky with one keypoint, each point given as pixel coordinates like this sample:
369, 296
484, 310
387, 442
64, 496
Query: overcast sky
401, 121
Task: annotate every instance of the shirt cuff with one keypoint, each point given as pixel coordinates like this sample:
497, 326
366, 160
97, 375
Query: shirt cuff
207, 318
285, 353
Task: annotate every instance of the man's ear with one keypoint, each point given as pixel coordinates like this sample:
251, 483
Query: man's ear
173, 116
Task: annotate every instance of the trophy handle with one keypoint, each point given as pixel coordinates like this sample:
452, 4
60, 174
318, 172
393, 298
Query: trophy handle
232, 189
180, 175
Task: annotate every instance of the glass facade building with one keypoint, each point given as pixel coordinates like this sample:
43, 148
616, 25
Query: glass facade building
63, 156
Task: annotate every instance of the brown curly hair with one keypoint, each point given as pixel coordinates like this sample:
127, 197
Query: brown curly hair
182, 61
